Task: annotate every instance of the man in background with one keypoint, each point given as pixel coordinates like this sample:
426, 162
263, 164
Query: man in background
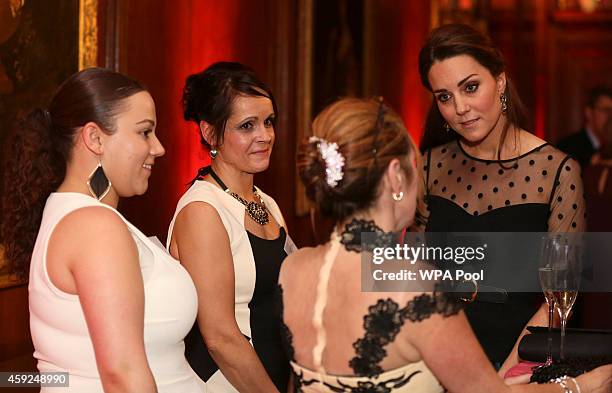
592, 147
584, 144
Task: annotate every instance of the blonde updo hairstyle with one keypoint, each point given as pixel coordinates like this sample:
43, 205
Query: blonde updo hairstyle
369, 134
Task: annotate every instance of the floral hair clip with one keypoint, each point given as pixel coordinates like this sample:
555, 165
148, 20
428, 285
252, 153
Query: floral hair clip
334, 161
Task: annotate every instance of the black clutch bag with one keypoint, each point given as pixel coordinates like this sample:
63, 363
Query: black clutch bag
579, 344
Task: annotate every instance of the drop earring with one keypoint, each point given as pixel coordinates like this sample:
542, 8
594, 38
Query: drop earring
447, 127
504, 102
213, 153
398, 196
98, 184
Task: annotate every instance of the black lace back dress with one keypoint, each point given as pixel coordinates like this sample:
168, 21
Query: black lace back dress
379, 328
539, 191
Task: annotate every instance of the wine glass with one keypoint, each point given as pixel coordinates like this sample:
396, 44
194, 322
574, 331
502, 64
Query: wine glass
549, 254
566, 271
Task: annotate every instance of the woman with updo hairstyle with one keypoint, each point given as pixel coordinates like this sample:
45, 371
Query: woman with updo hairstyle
90, 270
360, 168
484, 173
231, 236
358, 189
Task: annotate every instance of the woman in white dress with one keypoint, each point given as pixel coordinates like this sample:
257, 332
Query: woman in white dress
231, 236
107, 305
359, 168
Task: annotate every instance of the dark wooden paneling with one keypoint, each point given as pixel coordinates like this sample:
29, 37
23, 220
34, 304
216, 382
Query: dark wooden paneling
581, 56
15, 343
554, 58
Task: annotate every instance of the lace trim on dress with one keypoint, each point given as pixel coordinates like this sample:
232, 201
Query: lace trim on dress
370, 387
286, 335
384, 321
382, 324
352, 241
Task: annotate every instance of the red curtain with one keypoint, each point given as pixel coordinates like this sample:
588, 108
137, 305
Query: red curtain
165, 42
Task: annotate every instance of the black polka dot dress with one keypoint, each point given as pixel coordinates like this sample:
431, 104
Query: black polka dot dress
539, 191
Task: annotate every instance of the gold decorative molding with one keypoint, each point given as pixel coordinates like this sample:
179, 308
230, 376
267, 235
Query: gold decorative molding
88, 33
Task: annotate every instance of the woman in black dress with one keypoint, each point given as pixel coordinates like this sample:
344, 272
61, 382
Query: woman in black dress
484, 173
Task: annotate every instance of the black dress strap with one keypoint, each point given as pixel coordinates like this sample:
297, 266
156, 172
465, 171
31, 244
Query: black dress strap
202, 173
218, 180
209, 171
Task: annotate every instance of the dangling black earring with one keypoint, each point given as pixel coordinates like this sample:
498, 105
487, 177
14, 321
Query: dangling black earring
98, 184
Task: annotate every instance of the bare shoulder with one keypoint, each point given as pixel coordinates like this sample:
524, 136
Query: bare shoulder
199, 227
299, 262
296, 259
197, 215
95, 231
97, 220
199, 210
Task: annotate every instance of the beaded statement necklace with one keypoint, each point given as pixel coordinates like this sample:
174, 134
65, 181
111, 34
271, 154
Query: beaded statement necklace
257, 211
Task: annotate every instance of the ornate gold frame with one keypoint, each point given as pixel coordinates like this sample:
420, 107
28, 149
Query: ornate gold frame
88, 33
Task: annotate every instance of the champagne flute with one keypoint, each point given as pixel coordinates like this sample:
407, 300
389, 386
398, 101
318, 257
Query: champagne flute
566, 280
549, 254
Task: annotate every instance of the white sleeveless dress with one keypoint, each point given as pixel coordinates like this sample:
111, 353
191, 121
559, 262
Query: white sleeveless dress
59, 330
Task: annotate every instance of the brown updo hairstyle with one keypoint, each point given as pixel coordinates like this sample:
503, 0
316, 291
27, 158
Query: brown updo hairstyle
209, 95
41, 146
453, 40
369, 135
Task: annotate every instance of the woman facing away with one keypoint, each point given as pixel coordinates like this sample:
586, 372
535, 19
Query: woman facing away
485, 173
359, 169
91, 272
230, 236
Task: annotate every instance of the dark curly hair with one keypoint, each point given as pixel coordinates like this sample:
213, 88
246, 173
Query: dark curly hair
369, 135
40, 147
453, 40
208, 95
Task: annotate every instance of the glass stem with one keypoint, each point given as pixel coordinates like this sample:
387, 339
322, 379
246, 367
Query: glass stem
551, 315
561, 350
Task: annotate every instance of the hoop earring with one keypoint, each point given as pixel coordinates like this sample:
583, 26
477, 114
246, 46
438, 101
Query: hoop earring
98, 184
398, 197
447, 127
504, 102
213, 153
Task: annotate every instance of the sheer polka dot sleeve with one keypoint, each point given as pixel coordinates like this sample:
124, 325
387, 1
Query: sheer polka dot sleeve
422, 213
567, 202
